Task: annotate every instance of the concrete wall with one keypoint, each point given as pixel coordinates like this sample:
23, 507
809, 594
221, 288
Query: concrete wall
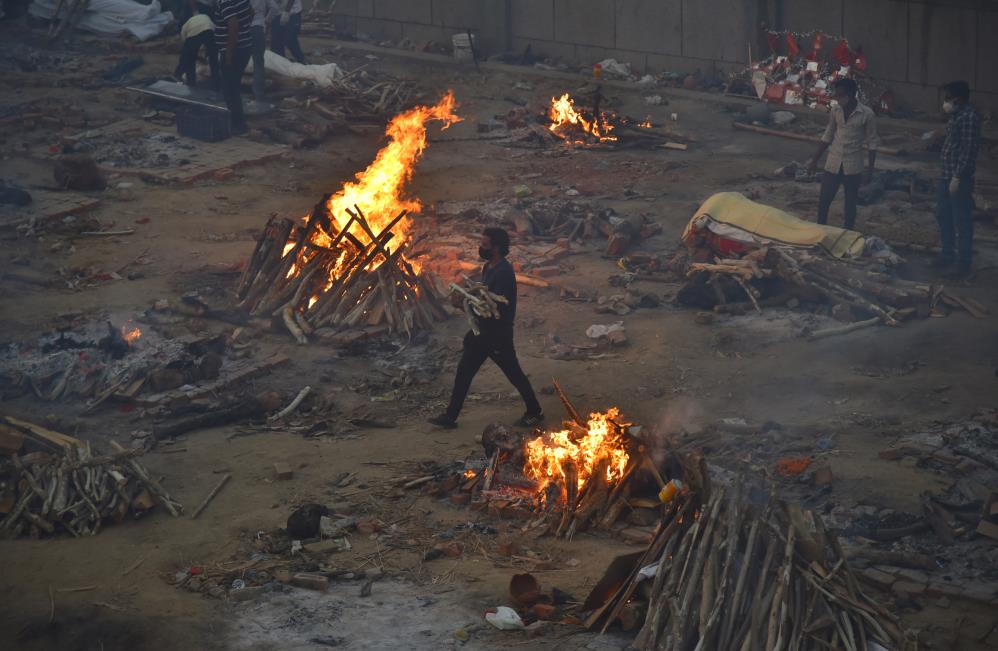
913, 45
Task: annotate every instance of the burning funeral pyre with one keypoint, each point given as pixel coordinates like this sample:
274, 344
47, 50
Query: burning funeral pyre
345, 266
581, 126
585, 475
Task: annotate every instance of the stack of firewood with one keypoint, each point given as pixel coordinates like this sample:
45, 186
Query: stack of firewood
860, 284
68, 488
354, 282
729, 576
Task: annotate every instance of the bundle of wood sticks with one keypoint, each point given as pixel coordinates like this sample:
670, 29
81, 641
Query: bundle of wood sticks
71, 489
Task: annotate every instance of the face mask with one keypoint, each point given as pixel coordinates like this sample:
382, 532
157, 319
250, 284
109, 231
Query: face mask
484, 254
948, 107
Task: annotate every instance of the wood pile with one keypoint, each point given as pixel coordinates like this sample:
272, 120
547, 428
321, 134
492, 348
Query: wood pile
354, 283
732, 577
478, 302
64, 486
870, 295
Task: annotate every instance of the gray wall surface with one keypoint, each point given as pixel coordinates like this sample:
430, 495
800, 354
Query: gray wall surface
913, 46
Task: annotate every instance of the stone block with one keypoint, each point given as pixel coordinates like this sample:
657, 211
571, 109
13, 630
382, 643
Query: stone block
881, 29
410, 11
987, 55
717, 31
533, 19
650, 25
809, 16
908, 588
282, 471
942, 42
882, 580
545, 49
380, 29
584, 22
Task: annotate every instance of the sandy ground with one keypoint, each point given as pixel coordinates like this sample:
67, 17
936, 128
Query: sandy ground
674, 372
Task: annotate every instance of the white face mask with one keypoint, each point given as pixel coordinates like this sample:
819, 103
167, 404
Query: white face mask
948, 107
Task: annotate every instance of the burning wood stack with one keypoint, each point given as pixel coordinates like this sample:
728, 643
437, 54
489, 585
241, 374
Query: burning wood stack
568, 121
345, 267
729, 577
63, 486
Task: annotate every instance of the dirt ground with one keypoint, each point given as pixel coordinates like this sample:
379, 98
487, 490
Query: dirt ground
674, 374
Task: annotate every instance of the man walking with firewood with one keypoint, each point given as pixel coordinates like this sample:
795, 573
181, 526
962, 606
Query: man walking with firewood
495, 337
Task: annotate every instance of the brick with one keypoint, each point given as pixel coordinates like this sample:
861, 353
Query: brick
310, 581
875, 577
11, 440
912, 575
908, 588
247, 594
283, 471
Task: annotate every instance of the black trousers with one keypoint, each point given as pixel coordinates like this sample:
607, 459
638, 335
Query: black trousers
232, 75
495, 344
830, 187
286, 36
187, 67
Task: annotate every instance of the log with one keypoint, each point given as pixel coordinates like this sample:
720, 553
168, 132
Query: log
742, 126
843, 329
214, 491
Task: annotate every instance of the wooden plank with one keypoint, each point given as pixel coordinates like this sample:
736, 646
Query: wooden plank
53, 437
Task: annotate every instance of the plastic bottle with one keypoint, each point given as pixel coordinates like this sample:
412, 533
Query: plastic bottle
669, 491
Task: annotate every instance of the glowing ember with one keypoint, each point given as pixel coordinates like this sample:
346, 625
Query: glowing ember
469, 474
130, 335
603, 440
565, 119
379, 190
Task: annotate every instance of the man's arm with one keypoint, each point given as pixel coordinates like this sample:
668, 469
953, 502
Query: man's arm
966, 138
232, 39
826, 140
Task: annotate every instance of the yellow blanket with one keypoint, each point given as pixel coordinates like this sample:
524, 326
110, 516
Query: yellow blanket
731, 215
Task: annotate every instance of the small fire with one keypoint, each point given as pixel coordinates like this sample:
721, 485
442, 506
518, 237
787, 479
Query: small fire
130, 335
603, 440
565, 119
469, 474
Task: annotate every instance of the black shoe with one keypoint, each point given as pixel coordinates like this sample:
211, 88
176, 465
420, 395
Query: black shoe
941, 262
443, 421
531, 420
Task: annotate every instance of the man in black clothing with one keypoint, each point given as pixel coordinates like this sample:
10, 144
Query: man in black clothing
496, 339
234, 39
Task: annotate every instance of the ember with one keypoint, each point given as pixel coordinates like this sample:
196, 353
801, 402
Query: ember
337, 268
131, 335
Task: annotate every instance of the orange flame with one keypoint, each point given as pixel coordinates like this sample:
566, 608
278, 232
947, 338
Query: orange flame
547, 455
130, 335
379, 190
564, 119
469, 474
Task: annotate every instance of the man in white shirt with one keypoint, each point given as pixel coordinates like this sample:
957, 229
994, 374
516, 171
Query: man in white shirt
263, 10
284, 29
851, 125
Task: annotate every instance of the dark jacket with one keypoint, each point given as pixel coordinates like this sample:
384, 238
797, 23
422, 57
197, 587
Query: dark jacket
501, 280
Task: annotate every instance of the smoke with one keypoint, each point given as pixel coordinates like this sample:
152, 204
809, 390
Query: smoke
680, 417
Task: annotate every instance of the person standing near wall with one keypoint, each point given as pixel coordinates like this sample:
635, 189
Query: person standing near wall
955, 206
284, 30
235, 46
850, 126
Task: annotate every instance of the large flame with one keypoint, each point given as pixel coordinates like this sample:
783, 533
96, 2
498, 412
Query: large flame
547, 455
379, 190
565, 119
